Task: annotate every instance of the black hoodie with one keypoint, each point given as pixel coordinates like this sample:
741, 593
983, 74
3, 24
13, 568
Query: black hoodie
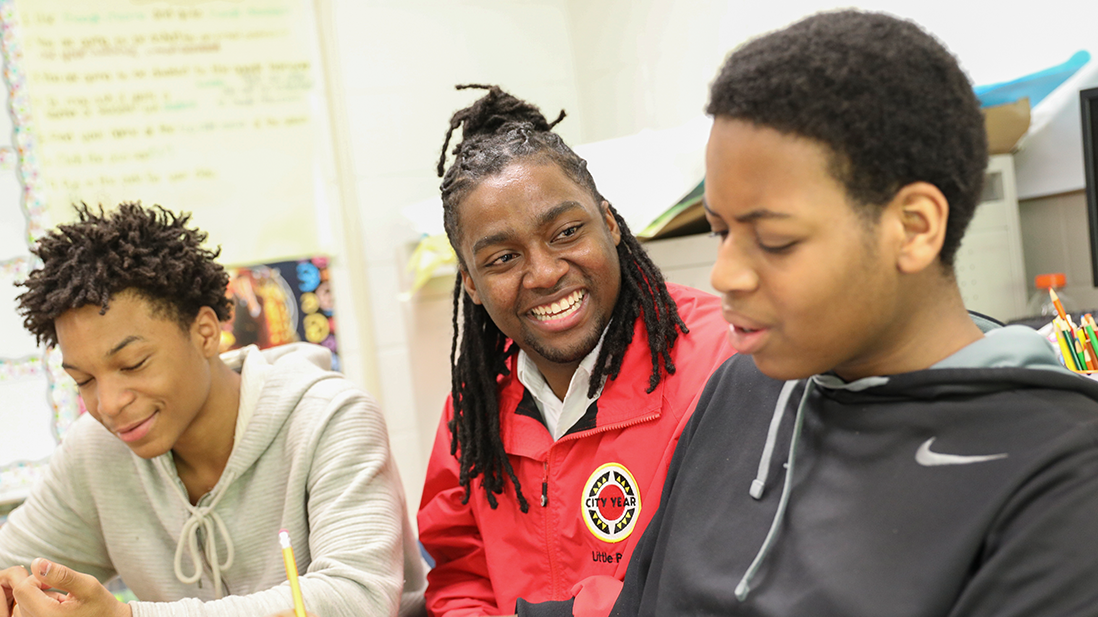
969, 488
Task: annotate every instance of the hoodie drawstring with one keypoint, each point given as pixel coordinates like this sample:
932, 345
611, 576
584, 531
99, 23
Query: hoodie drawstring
759, 482
744, 586
202, 517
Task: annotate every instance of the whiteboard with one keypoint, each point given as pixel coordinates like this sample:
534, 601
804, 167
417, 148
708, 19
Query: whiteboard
18, 343
204, 107
13, 222
26, 408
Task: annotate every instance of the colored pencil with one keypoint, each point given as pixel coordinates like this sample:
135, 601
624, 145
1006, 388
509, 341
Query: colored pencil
291, 572
1056, 302
1080, 351
1088, 346
1068, 357
1080, 364
1092, 337
1073, 342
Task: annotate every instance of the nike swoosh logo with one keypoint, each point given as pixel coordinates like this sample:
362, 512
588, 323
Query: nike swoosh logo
928, 458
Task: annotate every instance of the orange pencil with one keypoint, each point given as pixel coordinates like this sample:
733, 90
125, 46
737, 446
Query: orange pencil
1092, 338
1089, 354
1088, 364
1081, 334
1059, 305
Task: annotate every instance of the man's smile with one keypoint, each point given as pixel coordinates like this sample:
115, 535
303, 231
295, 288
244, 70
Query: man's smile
561, 308
135, 431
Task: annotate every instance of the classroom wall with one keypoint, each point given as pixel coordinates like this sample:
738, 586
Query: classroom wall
647, 63
644, 63
617, 66
397, 61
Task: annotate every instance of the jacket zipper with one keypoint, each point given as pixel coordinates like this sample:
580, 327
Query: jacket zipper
574, 437
545, 484
549, 544
587, 433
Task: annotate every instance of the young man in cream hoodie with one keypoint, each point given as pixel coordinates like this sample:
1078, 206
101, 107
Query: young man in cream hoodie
188, 463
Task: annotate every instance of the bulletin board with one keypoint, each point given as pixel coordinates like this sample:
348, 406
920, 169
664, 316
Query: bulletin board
282, 302
200, 106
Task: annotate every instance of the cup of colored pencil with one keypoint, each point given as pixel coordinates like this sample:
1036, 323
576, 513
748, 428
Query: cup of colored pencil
1078, 344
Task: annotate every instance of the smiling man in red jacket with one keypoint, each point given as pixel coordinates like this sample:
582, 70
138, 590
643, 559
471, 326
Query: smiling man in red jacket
575, 369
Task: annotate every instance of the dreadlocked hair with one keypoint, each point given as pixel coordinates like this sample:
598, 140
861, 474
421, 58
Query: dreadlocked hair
146, 251
499, 130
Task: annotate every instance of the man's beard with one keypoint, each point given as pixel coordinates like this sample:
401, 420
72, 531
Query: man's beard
574, 353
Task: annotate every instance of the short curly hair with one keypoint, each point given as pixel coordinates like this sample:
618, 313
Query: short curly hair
147, 251
885, 97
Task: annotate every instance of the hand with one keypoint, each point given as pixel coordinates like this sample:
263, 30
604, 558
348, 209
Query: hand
9, 578
84, 596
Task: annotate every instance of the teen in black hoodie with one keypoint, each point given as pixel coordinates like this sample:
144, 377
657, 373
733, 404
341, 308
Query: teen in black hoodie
882, 454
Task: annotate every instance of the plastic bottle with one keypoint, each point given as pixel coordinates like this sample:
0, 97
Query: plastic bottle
1040, 303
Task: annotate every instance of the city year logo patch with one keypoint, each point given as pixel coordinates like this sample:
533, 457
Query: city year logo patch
611, 503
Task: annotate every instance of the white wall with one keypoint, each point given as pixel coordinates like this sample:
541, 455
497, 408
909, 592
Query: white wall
398, 61
648, 63
617, 66
643, 63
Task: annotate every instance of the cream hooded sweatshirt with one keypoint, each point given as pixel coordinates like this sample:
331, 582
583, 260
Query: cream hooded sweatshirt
311, 455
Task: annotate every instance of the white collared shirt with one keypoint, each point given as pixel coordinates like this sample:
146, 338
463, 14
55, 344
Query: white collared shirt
560, 415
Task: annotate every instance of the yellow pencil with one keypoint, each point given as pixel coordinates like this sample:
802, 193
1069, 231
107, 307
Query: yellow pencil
1088, 327
291, 572
1069, 357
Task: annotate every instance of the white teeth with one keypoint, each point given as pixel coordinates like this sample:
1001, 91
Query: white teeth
560, 308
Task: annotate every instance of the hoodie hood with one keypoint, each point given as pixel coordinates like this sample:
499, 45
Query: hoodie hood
1009, 357
1011, 346
274, 381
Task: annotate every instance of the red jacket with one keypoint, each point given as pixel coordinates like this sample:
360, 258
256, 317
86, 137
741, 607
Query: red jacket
603, 484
